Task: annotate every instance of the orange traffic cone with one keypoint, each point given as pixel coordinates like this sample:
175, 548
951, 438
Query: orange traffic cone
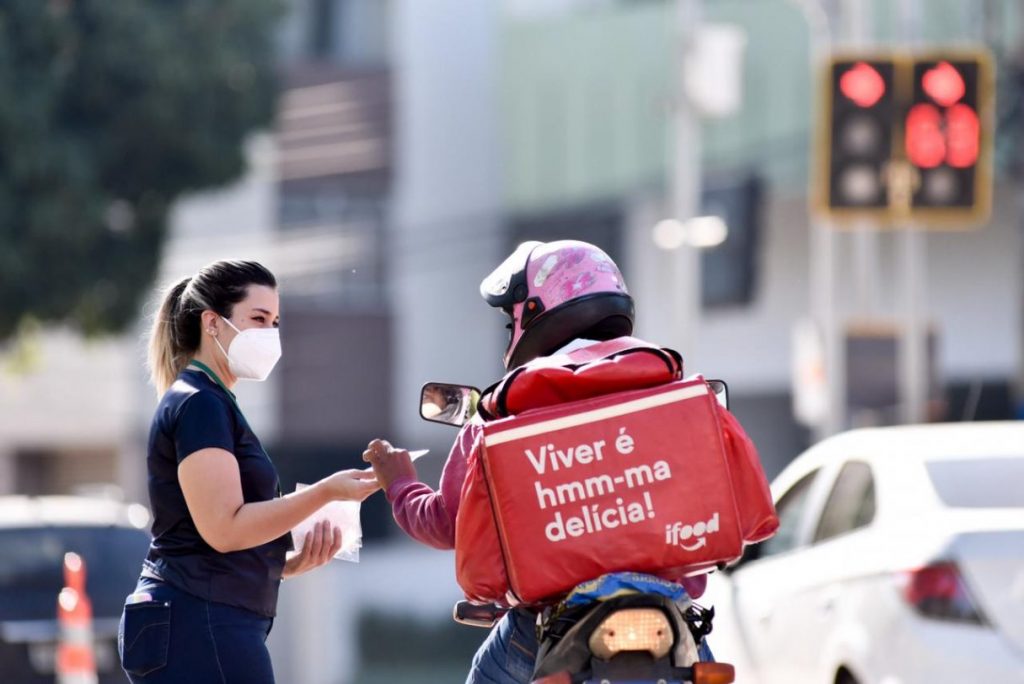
76, 661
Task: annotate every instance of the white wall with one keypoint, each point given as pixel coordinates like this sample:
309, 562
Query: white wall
973, 296
977, 280
71, 394
315, 637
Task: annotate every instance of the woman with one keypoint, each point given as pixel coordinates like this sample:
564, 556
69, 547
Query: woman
207, 596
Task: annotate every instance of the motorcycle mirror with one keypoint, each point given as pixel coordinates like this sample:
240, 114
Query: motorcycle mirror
721, 391
448, 404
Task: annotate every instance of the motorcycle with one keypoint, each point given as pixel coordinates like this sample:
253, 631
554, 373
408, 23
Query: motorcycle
622, 627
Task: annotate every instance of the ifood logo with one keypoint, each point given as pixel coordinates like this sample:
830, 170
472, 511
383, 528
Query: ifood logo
678, 534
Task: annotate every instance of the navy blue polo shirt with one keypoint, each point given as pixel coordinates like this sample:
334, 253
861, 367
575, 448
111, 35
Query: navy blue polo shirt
197, 413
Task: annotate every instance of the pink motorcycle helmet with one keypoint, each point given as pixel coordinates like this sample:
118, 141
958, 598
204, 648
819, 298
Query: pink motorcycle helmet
556, 292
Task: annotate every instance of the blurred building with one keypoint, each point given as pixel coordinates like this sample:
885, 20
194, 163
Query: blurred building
55, 436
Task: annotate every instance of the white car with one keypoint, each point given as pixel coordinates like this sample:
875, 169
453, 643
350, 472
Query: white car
899, 560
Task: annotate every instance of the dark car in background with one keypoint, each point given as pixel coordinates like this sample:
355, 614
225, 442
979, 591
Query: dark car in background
35, 533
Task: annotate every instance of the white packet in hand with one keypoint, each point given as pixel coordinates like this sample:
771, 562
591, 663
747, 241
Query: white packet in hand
343, 514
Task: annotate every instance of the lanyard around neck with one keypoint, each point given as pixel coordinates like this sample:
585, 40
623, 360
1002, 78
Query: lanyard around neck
216, 378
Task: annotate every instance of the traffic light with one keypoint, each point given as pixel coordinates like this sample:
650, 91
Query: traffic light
947, 139
908, 138
861, 115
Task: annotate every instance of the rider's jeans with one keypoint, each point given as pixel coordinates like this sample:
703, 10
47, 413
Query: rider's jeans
508, 654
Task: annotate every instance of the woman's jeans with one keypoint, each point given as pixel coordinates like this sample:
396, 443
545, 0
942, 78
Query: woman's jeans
177, 637
510, 651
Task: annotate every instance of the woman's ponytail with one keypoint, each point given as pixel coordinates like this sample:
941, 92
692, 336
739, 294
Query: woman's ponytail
167, 355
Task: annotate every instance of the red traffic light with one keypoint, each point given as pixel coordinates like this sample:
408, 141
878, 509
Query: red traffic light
944, 84
862, 84
943, 127
963, 132
934, 137
926, 142
906, 136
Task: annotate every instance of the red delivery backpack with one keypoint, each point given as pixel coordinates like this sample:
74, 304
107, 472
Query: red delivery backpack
658, 480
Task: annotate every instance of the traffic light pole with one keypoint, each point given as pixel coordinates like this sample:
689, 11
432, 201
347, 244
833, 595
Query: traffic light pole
864, 232
684, 195
866, 266
914, 371
822, 261
824, 311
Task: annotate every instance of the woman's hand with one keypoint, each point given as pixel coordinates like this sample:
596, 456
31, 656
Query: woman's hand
352, 485
389, 464
320, 546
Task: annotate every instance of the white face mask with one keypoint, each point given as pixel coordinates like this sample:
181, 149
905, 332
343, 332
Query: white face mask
253, 353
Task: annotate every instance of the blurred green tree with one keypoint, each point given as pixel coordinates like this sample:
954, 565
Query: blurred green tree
109, 111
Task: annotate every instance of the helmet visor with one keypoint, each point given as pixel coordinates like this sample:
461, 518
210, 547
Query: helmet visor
498, 289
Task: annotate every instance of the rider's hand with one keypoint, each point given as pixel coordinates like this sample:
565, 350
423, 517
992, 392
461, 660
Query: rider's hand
389, 464
352, 485
319, 546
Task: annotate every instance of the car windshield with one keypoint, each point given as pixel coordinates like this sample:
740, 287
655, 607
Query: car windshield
31, 568
979, 482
